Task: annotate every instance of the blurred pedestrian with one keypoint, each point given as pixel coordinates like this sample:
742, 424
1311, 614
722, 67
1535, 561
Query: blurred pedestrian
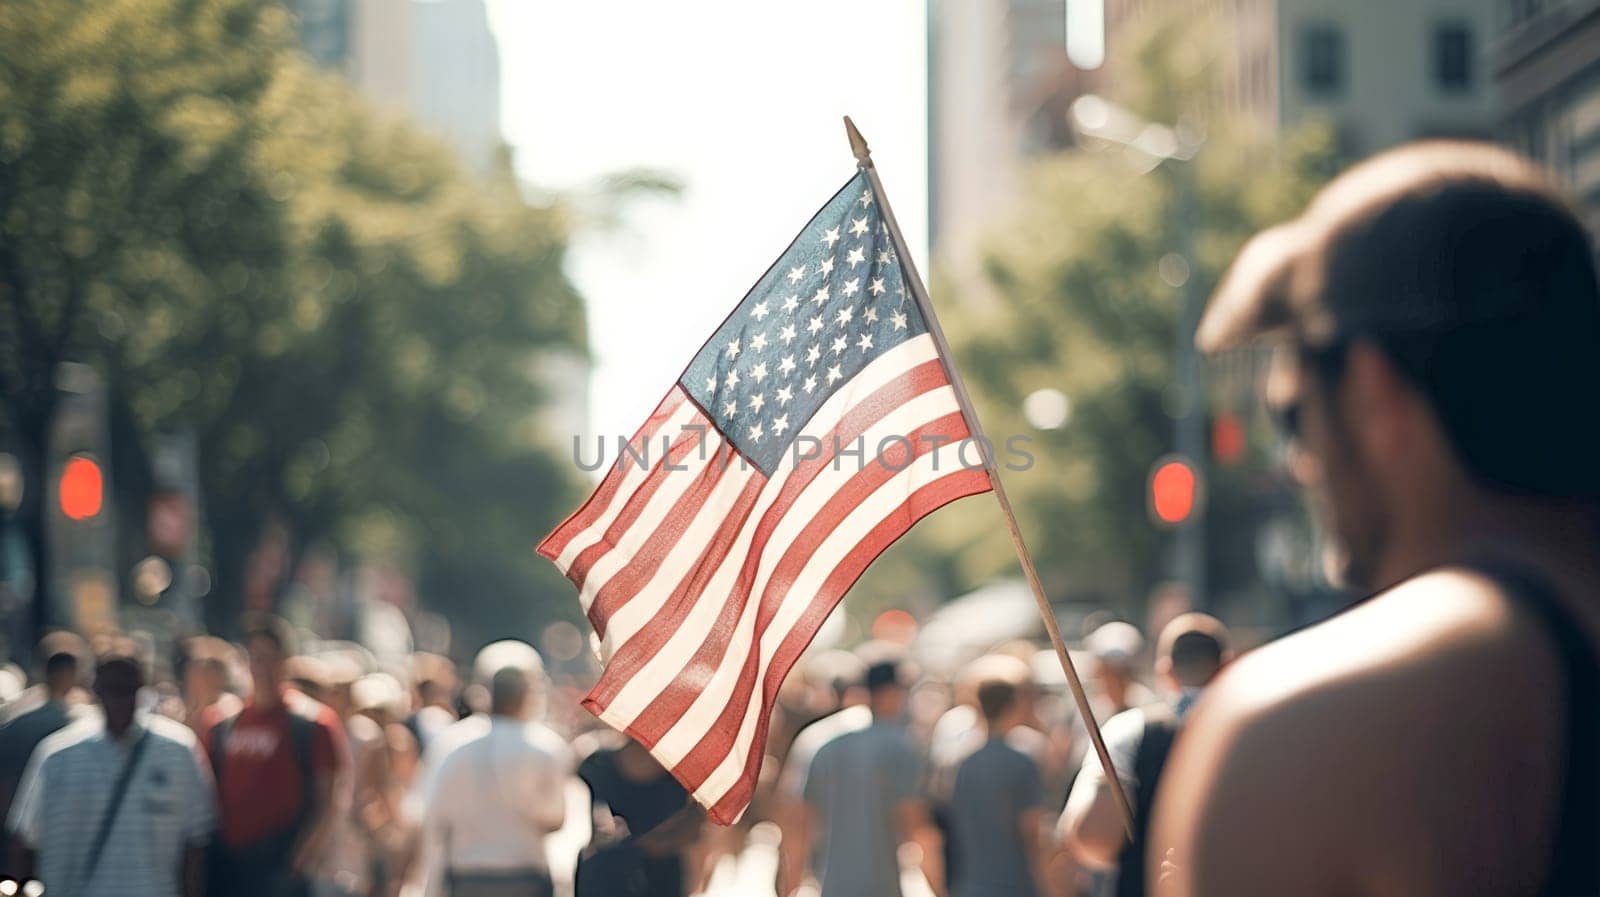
208, 682
1438, 326
436, 687
382, 782
347, 866
842, 673
282, 769
495, 798
864, 797
21, 736
997, 804
1117, 647
643, 824
1190, 653
122, 809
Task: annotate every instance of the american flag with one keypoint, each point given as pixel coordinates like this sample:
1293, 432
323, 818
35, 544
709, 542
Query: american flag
807, 435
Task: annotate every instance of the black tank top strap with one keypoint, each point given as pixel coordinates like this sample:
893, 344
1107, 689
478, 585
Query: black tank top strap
1575, 865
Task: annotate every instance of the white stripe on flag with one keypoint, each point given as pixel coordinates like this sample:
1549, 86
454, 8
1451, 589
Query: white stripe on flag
674, 483
635, 474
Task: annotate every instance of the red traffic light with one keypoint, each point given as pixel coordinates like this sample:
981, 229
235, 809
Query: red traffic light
82, 489
1228, 441
1174, 491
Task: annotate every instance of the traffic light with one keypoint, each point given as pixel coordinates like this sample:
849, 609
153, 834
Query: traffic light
82, 491
1175, 491
1228, 440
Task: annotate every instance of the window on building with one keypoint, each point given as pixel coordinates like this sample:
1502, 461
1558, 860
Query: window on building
1452, 57
1322, 58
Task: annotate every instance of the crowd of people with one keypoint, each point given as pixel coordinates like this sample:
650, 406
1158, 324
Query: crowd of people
253, 768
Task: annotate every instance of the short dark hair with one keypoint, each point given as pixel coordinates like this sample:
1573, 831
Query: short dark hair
272, 628
1195, 645
61, 663
120, 663
884, 674
996, 697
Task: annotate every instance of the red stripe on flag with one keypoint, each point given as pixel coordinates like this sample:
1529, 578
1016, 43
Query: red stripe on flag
718, 740
628, 659
626, 583
924, 501
679, 695
687, 441
590, 510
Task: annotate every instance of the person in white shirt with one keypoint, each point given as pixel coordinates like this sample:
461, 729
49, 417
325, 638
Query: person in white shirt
123, 809
494, 799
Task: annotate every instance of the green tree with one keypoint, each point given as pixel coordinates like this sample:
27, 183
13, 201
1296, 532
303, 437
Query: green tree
1076, 301
344, 317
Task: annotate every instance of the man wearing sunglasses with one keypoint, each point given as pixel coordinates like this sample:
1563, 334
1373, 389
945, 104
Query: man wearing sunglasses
1435, 323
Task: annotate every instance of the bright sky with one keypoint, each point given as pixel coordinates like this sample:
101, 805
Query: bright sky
742, 101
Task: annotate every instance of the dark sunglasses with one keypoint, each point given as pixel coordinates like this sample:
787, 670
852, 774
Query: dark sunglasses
1286, 420
1327, 361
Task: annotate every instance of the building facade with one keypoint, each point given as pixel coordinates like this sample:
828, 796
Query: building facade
1547, 65
435, 60
1384, 74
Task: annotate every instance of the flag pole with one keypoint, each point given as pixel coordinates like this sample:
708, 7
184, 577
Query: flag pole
919, 293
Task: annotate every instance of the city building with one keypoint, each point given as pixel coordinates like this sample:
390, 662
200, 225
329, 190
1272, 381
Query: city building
1385, 74
436, 60
1001, 81
1547, 66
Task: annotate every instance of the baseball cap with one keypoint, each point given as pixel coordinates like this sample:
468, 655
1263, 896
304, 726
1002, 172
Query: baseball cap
1465, 266
1431, 236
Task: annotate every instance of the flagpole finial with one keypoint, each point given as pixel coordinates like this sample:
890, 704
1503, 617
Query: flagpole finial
858, 144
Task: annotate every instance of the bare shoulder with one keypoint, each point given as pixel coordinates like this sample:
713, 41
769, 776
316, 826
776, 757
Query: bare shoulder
1376, 744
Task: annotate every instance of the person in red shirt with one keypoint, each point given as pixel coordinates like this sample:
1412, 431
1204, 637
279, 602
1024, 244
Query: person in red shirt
281, 764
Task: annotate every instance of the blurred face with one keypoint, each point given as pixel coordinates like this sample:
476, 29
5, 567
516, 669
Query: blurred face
203, 680
1327, 462
888, 701
117, 687
266, 664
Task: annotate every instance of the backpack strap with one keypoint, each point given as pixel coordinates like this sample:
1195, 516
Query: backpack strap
118, 792
1160, 731
219, 746
302, 729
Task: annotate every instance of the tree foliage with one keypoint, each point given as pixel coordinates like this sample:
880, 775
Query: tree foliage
346, 319
1075, 300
